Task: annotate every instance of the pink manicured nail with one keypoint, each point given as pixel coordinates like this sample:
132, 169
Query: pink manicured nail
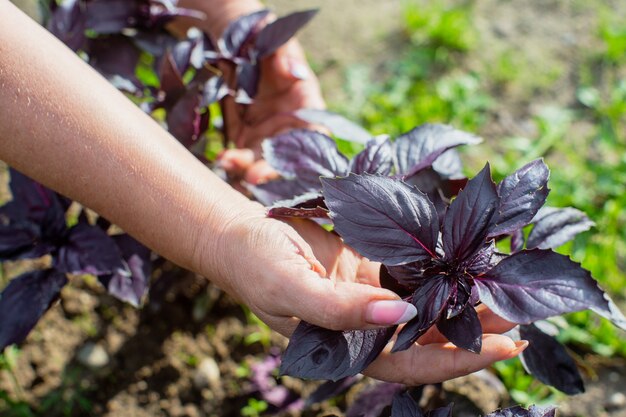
388, 312
298, 70
520, 345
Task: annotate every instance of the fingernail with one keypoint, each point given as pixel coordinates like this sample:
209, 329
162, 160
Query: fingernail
298, 70
520, 345
388, 312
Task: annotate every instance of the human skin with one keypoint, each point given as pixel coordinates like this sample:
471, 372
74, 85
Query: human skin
62, 124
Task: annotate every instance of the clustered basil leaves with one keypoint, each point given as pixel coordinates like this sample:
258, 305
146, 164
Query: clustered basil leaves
33, 224
406, 204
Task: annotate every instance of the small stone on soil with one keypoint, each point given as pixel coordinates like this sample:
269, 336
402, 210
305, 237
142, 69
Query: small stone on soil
93, 356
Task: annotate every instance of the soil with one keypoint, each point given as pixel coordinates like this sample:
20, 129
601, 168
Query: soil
187, 352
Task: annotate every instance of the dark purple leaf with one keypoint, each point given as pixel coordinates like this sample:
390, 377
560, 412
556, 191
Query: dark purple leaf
68, 22
171, 78
382, 218
248, 78
89, 250
309, 205
556, 226
517, 241
116, 58
483, 260
214, 90
374, 399
548, 361
25, 300
430, 299
521, 196
376, 158
273, 191
405, 406
330, 389
239, 31
130, 284
440, 412
519, 411
470, 217
464, 330
419, 148
337, 124
111, 16
305, 154
32, 224
401, 279
317, 353
277, 33
185, 121
533, 285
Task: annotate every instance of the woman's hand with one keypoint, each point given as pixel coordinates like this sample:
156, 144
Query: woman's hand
283, 271
287, 83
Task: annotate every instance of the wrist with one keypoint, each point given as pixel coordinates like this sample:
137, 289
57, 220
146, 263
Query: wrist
221, 241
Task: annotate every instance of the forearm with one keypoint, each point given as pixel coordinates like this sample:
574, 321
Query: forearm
65, 126
218, 13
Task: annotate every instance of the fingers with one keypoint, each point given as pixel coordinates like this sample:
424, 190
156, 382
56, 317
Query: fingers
437, 362
340, 305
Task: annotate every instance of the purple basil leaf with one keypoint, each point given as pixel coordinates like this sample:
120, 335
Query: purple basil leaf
470, 217
32, 224
317, 353
376, 158
116, 58
405, 406
403, 286
419, 148
25, 300
521, 196
537, 284
273, 191
374, 399
519, 411
239, 32
214, 90
248, 78
130, 284
277, 33
305, 154
171, 80
556, 226
185, 121
89, 250
111, 16
68, 22
382, 218
517, 241
548, 361
337, 124
309, 205
430, 300
483, 260
156, 43
464, 330
330, 389
440, 412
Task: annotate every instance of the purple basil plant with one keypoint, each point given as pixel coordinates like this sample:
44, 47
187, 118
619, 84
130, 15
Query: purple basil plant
438, 249
32, 225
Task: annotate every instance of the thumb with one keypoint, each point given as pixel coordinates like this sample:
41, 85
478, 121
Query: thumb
342, 305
